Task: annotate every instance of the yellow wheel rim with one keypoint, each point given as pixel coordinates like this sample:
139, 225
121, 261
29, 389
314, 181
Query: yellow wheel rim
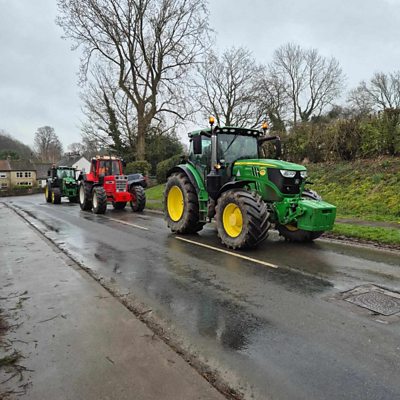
175, 203
46, 192
232, 220
291, 228
53, 197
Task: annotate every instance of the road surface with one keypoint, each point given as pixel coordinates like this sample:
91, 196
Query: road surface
273, 322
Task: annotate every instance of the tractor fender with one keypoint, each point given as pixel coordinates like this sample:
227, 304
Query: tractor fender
187, 172
233, 185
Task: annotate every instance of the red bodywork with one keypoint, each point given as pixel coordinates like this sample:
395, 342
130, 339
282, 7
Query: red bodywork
107, 172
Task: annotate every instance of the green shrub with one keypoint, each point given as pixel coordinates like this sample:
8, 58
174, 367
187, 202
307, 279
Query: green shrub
142, 167
164, 166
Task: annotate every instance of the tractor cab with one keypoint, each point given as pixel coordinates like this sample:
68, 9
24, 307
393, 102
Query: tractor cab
232, 144
108, 171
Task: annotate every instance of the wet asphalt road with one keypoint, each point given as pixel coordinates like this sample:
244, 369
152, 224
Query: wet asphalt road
274, 333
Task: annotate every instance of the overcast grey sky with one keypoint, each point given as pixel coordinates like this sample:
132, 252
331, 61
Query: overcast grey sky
38, 71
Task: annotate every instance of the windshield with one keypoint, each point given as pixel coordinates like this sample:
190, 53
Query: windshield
65, 173
109, 167
233, 147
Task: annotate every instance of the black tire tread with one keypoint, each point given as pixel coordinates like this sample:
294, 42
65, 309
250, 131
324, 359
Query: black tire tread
48, 197
140, 198
87, 203
56, 192
101, 195
189, 223
257, 216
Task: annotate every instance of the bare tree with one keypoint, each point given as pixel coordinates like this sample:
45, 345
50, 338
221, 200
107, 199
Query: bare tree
47, 145
273, 100
110, 116
311, 81
380, 93
227, 88
151, 44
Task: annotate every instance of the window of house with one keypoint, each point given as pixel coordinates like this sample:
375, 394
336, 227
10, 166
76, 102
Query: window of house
28, 174
3, 175
4, 185
24, 183
20, 174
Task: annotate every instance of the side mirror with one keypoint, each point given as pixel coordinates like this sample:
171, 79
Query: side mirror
123, 163
48, 173
197, 149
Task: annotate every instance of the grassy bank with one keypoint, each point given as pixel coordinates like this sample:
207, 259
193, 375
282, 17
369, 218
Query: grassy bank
154, 197
364, 190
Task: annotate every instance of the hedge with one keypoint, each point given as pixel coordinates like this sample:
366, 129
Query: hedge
142, 167
164, 166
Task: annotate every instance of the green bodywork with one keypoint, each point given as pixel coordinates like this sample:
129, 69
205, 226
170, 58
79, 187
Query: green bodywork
285, 209
65, 179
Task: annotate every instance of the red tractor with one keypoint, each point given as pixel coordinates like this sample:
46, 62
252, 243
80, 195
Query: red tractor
106, 183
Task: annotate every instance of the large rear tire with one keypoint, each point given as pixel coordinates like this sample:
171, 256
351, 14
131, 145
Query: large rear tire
119, 205
99, 200
181, 206
138, 202
56, 196
242, 219
47, 193
293, 234
85, 196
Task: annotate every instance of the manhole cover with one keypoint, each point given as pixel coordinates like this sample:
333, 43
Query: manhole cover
378, 302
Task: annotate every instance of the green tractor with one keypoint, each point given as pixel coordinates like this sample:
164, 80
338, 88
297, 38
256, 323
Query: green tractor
227, 177
61, 182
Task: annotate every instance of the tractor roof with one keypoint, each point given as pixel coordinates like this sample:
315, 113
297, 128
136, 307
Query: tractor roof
234, 130
64, 167
105, 158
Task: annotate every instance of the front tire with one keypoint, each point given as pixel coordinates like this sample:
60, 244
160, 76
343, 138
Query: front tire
56, 196
293, 234
119, 205
99, 200
138, 202
242, 219
85, 196
181, 206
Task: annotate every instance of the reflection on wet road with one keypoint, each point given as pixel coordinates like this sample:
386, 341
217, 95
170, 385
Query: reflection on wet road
272, 332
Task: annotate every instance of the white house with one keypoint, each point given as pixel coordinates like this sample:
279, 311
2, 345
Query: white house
82, 165
77, 161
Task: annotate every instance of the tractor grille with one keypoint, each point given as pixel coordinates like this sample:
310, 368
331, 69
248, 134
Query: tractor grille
121, 183
285, 185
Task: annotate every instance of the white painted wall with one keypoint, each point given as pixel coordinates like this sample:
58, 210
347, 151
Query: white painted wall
82, 164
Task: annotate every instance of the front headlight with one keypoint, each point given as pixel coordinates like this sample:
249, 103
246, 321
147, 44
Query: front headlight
303, 174
288, 174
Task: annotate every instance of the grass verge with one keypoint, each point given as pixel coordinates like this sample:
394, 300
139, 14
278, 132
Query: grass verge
376, 234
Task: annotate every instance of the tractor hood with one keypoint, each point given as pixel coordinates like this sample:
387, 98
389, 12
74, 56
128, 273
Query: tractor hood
270, 163
69, 181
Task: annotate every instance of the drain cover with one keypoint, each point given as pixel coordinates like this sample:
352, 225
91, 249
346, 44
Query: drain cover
378, 302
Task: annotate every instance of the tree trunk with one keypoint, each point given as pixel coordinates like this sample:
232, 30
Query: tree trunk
141, 136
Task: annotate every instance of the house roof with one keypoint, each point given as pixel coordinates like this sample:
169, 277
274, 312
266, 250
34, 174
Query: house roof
4, 165
21, 165
41, 170
68, 161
